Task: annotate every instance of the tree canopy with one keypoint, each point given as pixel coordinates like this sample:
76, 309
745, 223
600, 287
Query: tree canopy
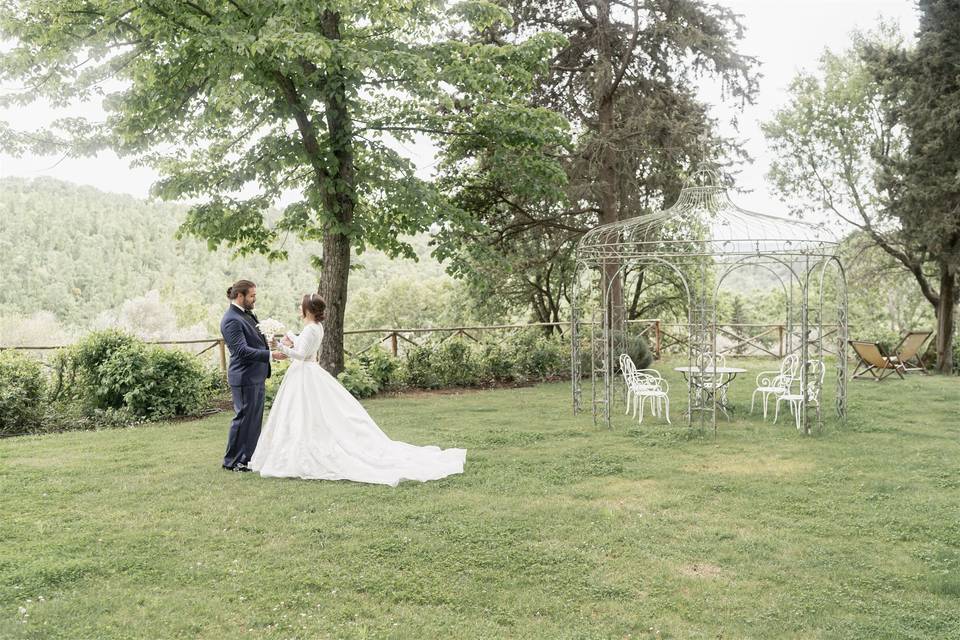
923, 178
627, 79
239, 103
867, 139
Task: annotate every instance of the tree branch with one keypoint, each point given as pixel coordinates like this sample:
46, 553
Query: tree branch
913, 265
628, 52
308, 132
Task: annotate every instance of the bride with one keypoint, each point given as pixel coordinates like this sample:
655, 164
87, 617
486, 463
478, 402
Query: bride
317, 430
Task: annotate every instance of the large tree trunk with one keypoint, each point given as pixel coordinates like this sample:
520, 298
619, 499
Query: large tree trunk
604, 93
607, 175
336, 184
333, 289
336, 242
945, 319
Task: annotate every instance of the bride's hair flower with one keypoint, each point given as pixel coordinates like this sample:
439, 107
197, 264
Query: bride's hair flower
270, 327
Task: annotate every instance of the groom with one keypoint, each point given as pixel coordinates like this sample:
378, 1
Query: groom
249, 369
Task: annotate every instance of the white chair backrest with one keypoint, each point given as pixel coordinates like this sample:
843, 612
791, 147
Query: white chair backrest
789, 365
707, 363
627, 368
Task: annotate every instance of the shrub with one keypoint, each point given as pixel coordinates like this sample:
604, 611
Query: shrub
357, 380
67, 384
539, 357
639, 351
418, 368
154, 382
116, 376
381, 366
97, 347
496, 362
22, 393
77, 369
172, 383
455, 364
112, 370
636, 347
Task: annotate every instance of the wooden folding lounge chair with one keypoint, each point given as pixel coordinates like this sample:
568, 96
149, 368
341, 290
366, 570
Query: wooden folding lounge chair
908, 351
875, 361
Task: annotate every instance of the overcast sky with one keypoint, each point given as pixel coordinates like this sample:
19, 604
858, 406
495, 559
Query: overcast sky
786, 36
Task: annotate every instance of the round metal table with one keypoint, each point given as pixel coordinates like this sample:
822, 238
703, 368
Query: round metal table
726, 375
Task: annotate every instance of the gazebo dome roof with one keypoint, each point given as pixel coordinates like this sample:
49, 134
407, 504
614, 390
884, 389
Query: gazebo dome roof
705, 221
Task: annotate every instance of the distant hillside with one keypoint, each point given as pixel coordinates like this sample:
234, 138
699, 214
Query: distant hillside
77, 252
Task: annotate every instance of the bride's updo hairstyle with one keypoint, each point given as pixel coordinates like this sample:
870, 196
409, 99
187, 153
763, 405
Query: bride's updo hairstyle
240, 287
314, 304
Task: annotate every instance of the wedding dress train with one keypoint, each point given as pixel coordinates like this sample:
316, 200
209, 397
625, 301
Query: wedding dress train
317, 430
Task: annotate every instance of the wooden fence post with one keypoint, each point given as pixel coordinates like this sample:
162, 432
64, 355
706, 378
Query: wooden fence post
780, 331
393, 344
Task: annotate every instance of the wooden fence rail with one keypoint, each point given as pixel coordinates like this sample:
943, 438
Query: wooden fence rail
745, 339
212, 343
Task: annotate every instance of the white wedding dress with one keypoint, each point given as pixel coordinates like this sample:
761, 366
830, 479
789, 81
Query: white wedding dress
317, 430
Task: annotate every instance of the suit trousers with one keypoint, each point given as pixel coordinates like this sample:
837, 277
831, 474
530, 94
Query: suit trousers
248, 403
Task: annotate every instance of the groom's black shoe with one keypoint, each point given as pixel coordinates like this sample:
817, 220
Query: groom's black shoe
239, 468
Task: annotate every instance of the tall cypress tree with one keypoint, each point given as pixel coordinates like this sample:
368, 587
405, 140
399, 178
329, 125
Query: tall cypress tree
923, 181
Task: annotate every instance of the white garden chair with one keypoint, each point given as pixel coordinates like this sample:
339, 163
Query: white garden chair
814, 383
775, 383
653, 387
634, 380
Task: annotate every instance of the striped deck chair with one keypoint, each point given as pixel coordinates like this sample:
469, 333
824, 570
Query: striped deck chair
908, 351
874, 361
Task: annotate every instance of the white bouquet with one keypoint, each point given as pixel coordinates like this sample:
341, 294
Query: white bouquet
270, 328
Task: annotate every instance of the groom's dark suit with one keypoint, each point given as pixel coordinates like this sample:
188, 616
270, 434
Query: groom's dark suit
248, 371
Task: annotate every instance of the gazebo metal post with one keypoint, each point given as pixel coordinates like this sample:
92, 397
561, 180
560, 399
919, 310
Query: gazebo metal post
842, 335
575, 373
804, 347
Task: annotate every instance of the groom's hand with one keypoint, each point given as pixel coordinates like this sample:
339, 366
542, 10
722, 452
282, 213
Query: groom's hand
277, 355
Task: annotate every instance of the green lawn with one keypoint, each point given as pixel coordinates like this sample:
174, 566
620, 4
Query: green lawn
558, 529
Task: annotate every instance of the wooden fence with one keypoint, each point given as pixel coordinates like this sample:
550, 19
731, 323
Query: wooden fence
733, 339
393, 339
768, 340
211, 343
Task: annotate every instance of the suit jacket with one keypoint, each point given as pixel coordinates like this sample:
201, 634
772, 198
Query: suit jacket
249, 350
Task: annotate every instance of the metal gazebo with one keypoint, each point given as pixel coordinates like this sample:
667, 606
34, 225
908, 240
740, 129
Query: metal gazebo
702, 239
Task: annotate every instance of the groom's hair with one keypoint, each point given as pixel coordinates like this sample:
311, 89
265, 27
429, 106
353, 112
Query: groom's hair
240, 287
314, 304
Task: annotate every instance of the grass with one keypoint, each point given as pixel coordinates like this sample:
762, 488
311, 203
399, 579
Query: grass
558, 529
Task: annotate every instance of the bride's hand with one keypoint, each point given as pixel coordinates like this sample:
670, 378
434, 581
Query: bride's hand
287, 342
